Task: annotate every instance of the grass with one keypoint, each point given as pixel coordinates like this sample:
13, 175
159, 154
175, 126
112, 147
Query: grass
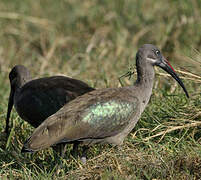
96, 41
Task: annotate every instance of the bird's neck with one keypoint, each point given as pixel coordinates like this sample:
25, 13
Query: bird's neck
144, 82
21, 81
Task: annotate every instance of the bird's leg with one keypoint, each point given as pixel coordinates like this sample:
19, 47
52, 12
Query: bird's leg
62, 150
59, 150
84, 154
74, 151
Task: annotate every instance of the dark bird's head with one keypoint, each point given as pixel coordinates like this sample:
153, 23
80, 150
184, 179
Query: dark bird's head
150, 55
18, 76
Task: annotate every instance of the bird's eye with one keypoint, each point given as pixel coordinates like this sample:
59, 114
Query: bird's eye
157, 52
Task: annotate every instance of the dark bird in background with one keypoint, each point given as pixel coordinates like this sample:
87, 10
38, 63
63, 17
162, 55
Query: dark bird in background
35, 100
104, 115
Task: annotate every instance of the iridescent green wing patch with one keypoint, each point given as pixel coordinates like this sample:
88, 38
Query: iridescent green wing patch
109, 117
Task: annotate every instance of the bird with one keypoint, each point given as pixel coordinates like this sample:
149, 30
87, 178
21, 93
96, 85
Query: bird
35, 100
104, 115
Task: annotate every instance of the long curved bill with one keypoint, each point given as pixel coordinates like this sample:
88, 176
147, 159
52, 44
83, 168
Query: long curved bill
10, 106
165, 65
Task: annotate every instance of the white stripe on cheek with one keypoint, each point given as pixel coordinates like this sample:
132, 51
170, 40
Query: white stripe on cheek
151, 60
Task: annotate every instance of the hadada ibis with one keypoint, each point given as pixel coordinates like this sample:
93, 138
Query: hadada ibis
35, 100
104, 115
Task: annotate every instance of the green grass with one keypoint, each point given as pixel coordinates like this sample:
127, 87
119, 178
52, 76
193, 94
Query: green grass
96, 41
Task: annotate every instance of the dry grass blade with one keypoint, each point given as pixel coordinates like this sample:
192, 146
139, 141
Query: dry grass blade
35, 20
115, 160
189, 74
170, 129
193, 77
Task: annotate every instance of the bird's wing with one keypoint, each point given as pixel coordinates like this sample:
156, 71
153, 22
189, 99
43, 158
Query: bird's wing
40, 98
95, 115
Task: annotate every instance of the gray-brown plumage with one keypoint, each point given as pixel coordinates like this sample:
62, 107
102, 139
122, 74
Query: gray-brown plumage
35, 100
104, 115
